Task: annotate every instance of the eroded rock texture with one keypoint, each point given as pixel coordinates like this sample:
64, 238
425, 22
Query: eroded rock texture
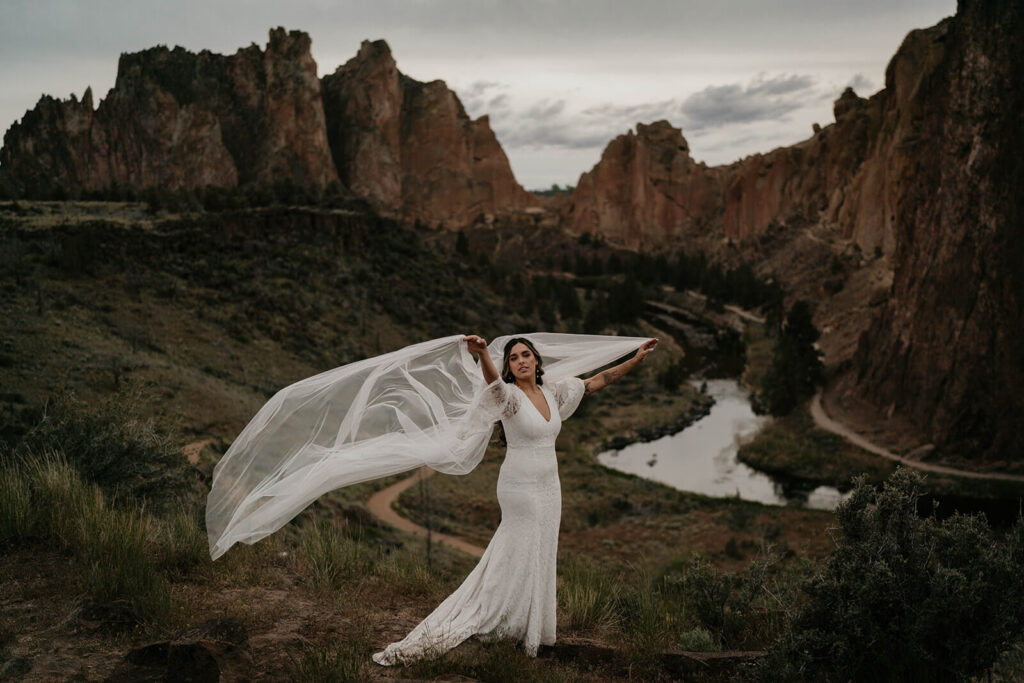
928, 173
947, 347
410, 147
177, 119
646, 190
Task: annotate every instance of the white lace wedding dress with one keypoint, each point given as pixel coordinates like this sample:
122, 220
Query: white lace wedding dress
511, 592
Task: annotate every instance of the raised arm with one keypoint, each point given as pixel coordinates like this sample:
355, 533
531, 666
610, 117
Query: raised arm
478, 345
603, 379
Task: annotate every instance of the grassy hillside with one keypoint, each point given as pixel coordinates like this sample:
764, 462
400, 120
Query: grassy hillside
138, 335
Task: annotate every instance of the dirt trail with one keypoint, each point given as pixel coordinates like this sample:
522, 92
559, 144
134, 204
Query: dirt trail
822, 420
380, 504
191, 451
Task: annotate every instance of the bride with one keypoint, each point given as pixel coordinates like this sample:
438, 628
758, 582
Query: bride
427, 404
511, 592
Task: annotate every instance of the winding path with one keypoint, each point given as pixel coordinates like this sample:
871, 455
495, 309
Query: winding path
380, 504
822, 420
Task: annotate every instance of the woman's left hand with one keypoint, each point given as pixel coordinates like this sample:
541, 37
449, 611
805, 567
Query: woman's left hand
644, 350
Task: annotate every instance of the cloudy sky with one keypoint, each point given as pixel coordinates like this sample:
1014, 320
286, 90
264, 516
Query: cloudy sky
559, 78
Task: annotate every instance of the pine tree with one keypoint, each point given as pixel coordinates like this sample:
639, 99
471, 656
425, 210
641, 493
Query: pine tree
796, 369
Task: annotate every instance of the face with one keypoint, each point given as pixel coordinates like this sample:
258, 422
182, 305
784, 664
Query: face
522, 362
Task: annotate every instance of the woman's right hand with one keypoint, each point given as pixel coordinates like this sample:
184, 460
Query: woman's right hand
475, 343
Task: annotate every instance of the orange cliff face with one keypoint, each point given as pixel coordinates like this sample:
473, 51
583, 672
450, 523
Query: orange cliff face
176, 119
411, 149
645, 191
648, 191
928, 171
945, 349
363, 102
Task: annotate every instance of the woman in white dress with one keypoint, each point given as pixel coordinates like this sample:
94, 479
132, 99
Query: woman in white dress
511, 592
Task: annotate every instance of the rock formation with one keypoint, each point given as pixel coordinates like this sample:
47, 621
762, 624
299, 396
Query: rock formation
646, 189
846, 175
946, 348
929, 172
177, 119
410, 148
363, 101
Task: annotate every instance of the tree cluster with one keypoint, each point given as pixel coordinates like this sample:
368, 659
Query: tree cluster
905, 597
796, 369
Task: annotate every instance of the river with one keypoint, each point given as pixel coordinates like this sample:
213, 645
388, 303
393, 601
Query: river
702, 457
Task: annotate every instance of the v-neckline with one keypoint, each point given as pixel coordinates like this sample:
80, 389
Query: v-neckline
546, 402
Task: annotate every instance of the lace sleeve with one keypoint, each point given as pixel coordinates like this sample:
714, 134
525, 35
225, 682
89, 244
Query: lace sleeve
499, 400
494, 402
568, 392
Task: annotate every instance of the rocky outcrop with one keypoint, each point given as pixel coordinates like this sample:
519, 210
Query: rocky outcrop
646, 190
363, 102
946, 349
411, 149
177, 119
926, 172
846, 175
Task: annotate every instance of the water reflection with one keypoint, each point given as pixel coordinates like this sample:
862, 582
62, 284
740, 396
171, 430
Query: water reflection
702, 457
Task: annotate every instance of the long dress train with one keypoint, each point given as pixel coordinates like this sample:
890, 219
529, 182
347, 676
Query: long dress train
511, 591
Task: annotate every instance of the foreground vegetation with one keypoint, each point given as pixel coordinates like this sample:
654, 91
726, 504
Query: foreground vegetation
899, 595
119, 332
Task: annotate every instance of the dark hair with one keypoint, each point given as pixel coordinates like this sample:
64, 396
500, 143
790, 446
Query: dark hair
506, 371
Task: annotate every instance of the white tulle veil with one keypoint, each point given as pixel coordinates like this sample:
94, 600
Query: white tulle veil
421, 405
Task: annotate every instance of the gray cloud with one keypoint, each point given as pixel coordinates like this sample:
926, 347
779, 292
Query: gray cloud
499, 103
481, 88
647, 111
558, 133
780, 85
548, 123
545, 110
761, 100
479, 97
861, 84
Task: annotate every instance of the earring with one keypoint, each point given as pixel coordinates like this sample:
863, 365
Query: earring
538, 372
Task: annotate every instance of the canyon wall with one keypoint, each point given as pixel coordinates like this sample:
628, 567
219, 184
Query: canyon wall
926, 173
646, 191
410, 148
946, 347
176, 119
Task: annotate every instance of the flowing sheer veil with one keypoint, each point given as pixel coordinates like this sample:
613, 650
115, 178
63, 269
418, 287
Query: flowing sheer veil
421, 405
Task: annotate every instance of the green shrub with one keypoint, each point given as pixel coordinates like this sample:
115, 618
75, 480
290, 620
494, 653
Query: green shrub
697, 639
904, 597
54, 506
112, 446
707, 594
